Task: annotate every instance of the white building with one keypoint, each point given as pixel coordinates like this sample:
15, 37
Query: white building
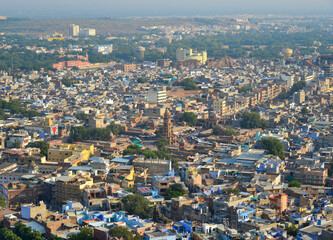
104, 49
288, 78
86, 32
74, 30
157, 95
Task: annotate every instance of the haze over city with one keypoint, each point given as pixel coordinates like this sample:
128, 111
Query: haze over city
126, 8
166, 120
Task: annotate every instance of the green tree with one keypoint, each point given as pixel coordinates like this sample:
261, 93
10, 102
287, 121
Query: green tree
304, 110
26, 233
82, 116
116, 129
189, 84
252, 120
217, 129
175, 190
295, 88
7, 234
123, 232
2, 202
17, 144
231, 190
292, 230
143, 80
190, 118
294, 184
100, 134
245, 89
229, 131
84, 234
43, 146
274, 147
137, 204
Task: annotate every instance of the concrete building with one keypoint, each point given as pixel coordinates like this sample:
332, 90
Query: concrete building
104, 49
289, 78
141, 52
163, 62
189, 54
306, 175
300, 97
86, 32
32, 211
157, 95
65, 151
125, 67
74, 30
71, 188
219, 105
154, 166
280, 202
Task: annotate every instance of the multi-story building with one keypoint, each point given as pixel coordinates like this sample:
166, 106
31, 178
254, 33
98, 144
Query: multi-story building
71, 188
64, 151
17, 193
104, 49
163, 62
125, 67
157, 95
300, 97
86, 32
189, 54
289, 78
280, 202
306, 175
32, 211
219, 105
74, 30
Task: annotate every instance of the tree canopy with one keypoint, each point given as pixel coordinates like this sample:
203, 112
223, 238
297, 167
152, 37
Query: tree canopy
2, 202
294, 184
304, 110
175, 190
190, 118
16, 107
252, 120
292, 230
227, 131
25, 233
123, 232
42, 145
295, 88
8, 234
189, 84
101, 134
136, 204
84, 234
274, 147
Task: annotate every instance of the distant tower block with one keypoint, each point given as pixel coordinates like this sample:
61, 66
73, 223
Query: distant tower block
141, 52
287, 52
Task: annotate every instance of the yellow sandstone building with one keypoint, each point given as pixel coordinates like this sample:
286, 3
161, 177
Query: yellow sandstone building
70, 152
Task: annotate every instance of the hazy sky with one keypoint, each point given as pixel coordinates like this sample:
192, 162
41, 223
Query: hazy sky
124, 8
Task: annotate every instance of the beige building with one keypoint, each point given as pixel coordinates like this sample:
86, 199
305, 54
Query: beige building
33, 211
219, 105
74, 30
71, 188
65, 151
157, 95
189, 54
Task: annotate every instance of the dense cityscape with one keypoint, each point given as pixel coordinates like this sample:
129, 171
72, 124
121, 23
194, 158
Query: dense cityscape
171, 128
